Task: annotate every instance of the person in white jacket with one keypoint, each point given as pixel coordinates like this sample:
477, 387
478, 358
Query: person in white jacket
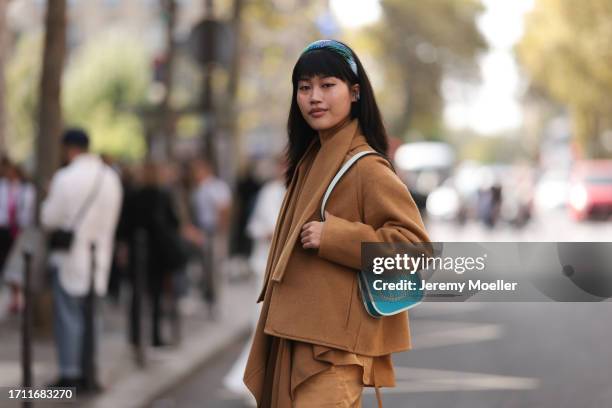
84, 197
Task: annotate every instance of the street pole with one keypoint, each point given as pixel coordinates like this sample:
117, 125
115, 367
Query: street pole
89, 339
138, 266
26, 327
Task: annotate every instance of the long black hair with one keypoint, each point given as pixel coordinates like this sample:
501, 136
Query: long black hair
323, 62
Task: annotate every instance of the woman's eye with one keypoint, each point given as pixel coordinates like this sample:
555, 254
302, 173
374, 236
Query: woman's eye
328, 85
304, 88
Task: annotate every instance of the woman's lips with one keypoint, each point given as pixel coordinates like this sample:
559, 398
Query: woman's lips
318, 113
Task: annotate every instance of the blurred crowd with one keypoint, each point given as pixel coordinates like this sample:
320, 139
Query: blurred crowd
143, 236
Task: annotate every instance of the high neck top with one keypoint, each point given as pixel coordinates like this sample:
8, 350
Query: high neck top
325, 137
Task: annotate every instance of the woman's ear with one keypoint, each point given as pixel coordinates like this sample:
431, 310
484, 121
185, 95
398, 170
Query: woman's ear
355, 93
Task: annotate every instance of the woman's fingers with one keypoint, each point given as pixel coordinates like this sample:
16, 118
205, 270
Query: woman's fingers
309, 234
308, 225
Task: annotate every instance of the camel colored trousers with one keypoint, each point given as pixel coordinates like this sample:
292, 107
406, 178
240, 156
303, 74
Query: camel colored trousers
337, 386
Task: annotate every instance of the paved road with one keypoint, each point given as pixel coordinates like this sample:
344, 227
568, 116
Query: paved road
473, 355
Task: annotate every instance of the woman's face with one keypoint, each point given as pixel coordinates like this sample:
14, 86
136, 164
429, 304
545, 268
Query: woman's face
325, 101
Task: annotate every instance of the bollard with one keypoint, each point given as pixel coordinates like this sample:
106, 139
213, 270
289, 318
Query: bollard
89, 338
26, 327
175, 315
138, 265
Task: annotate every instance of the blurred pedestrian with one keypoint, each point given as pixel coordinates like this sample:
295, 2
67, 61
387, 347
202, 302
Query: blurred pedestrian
211, 201
151, 209
81, 210
17, 200
260, 229
489, 204
315, 344
120, 273
16, 207
247, 188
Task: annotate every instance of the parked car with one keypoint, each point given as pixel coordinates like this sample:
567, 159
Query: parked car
590, 193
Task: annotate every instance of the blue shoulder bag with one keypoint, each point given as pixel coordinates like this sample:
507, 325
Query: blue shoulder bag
379, 303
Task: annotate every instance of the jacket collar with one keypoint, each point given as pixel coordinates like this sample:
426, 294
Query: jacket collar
332, 154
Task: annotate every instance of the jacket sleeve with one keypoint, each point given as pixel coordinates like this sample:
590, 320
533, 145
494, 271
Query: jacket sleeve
389, 215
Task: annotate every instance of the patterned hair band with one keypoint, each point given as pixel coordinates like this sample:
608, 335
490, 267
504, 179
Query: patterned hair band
336, 47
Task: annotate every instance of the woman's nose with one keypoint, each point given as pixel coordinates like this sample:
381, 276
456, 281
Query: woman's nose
315, 95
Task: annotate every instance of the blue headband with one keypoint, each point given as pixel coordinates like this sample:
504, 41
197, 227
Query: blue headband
336, 47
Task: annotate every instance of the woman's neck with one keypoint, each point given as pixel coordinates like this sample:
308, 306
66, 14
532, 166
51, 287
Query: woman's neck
326, 134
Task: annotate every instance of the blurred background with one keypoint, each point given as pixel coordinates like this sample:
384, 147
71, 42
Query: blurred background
500, 119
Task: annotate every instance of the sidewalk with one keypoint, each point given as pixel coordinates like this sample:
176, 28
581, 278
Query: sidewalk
127, 385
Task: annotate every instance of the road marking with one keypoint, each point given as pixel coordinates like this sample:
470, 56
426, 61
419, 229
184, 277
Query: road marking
438, 333
428, 309
410, 380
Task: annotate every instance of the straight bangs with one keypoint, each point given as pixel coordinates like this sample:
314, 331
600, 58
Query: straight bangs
323, 63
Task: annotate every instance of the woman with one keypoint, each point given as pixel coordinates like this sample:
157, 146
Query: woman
315, 345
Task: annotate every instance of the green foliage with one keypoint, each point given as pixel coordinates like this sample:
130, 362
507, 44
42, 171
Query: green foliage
420, 43
107, 78
566, 51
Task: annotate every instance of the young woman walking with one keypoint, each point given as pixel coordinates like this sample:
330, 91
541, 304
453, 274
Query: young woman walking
315, 345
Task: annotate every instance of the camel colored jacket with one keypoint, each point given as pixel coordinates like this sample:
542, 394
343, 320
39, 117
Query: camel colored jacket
315, 296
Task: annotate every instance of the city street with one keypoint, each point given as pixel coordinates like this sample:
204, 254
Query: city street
476, 355
156, 164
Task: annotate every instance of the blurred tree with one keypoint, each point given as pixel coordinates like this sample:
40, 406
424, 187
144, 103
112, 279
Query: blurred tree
500, 148
50, 109
3, 44
264, 94
566, 51
107, 78
169, 13
420, 43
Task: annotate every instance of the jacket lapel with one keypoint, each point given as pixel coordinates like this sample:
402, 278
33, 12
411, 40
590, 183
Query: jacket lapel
329, 159
277, 239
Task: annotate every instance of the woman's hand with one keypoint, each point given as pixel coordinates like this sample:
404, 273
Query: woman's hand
311, 234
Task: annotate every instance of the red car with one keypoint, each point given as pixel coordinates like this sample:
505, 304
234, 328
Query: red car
590, 193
